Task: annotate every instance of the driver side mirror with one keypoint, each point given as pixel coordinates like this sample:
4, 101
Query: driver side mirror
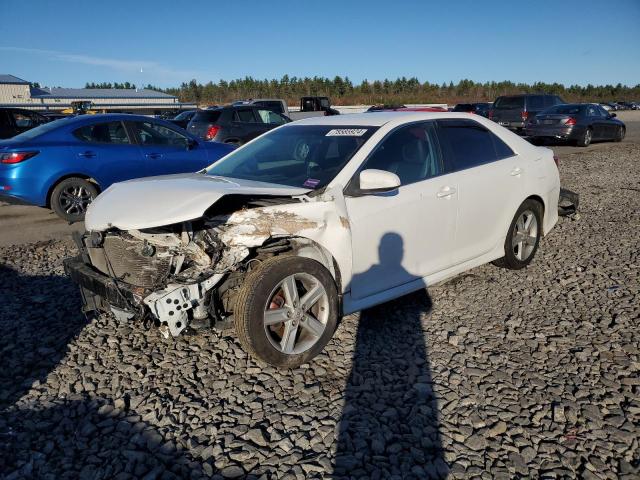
612, 115
377, 181
191, 144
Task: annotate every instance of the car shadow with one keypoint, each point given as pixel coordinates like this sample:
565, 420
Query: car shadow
389, 424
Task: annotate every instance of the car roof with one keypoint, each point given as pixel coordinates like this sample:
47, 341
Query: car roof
377, 119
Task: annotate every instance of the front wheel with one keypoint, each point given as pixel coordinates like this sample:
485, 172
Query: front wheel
523, 237
71, 197
620, 134
286, 311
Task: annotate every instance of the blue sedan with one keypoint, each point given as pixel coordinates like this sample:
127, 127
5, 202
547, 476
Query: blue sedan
63, 165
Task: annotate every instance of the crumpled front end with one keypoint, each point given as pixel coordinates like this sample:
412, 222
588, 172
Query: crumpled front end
186, 274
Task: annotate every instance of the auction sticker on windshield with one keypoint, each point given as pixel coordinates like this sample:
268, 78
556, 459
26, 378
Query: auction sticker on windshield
346, 132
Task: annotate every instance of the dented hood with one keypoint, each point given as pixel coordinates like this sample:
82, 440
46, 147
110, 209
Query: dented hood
157, 201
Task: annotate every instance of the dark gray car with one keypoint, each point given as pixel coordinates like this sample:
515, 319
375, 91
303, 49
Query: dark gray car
512, 111
235, 124
581, 123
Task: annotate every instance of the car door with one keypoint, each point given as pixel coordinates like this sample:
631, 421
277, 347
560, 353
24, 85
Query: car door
404, 235
107, 152
245, 126
611, 126
489, 178
597, 122
167, 150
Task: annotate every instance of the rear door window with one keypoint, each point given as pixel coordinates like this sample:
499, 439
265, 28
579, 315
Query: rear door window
25, 120
107, 132
159, 135
244, 115
468, 144
270, 117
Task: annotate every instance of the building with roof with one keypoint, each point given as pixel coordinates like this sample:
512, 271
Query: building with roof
16, 92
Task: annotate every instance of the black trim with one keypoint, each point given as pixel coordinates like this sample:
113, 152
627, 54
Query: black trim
99, 284
11, 200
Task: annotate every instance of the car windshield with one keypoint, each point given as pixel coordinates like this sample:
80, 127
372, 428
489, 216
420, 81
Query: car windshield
565, 110
40, 130
509, 102
304, 156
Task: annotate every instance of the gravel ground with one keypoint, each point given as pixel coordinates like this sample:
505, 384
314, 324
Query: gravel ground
494, 374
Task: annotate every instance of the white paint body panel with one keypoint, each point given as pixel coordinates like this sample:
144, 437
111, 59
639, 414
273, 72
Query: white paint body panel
433, 236
164, 200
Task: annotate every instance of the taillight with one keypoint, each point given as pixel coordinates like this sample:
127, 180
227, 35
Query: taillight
212, 132
490, 115
557, 160
524, 116
570, 121
16, 157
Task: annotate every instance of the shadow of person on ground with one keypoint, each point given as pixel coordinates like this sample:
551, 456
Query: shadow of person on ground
389, 425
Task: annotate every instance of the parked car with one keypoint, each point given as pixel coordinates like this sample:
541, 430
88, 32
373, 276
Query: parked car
613, 106
183, 118
581, 123
14, 121
512, 111
234, 124
314, 220
477, 108
63, 165
482, 108
402, 108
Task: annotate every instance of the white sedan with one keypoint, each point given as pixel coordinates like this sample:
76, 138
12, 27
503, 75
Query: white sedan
314, 220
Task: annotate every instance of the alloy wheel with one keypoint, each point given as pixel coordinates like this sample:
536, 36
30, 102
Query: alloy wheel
75, 199
296, 313
525, 235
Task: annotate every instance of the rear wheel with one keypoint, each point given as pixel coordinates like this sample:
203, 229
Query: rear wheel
620, 134
586, 138
286, 311
71, 197
523, 237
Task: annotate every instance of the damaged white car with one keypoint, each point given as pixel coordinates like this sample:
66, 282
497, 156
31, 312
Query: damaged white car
315, 220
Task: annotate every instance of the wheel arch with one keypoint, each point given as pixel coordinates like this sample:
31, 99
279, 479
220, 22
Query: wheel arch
66, 176
307, 248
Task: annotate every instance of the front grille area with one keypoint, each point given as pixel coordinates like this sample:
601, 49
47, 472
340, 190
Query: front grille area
122, 257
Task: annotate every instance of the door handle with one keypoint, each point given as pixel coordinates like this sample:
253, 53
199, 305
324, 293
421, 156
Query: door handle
87, 154
153, 155
445, 192
516, 171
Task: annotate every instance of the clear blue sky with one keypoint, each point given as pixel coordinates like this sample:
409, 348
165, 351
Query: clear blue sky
67, 43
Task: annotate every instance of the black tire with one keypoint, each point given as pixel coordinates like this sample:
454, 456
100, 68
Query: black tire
252, 300
71, 197
620, 134
536, 141
510, 259
586, 138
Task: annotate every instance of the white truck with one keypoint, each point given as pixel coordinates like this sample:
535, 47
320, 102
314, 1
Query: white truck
309, 107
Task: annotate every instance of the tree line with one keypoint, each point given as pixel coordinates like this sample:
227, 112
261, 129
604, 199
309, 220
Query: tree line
119, 86
343, 91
